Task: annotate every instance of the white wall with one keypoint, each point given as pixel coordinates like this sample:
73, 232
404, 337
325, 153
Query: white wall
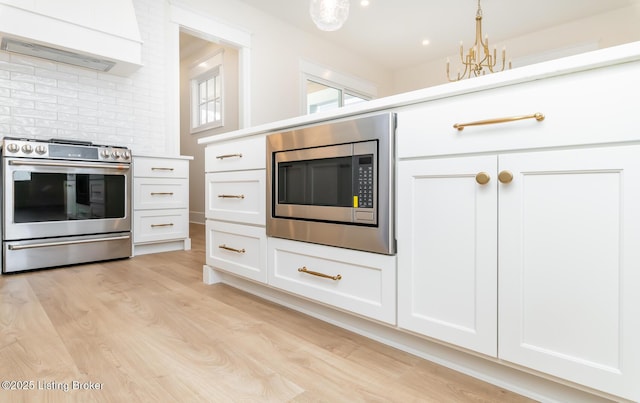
276, 51
43, 99
600, 31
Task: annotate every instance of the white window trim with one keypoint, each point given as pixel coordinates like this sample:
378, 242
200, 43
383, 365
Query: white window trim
199, 69
324, 75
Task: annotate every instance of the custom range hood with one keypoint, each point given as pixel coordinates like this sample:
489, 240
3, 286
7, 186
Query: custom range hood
101, 35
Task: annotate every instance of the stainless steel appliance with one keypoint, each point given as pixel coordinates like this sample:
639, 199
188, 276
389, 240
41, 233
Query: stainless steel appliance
333, 184
63, 202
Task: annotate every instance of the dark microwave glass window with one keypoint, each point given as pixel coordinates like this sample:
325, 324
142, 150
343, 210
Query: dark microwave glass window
319, 182
41, 197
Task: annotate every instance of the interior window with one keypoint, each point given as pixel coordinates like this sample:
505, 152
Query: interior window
209, 99
323, 96
207, 95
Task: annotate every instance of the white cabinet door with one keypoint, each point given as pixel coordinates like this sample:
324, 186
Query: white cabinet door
447, 245
569, 266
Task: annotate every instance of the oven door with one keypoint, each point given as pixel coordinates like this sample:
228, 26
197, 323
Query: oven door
55, 198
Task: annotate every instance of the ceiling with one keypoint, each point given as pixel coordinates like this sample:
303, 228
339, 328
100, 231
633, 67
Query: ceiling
390, 32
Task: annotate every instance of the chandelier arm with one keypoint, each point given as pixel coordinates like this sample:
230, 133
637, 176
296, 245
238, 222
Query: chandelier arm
475, 63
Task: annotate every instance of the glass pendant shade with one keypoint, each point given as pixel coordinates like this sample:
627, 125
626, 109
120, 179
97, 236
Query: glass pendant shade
329, 15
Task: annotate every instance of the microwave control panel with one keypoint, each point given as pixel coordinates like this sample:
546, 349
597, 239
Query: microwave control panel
365, 181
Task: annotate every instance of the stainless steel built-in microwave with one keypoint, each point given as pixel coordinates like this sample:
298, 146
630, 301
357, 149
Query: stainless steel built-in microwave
332, 184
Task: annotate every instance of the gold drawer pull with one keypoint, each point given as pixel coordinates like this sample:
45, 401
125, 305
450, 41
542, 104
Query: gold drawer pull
161, 169
161, 193
221, 157
231, 196
162, 225
315, 273
537, 116
225, 247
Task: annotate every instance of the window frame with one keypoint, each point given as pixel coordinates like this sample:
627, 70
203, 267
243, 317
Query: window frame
344, 83
203, 70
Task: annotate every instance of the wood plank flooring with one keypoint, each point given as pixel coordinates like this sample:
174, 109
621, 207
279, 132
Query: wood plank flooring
147, 329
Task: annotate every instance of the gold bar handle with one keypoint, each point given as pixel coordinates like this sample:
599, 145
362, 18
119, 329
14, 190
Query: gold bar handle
161, 169
161, 193
225, 247
537, 116
231, 196
221, 157
162, 225
315, 273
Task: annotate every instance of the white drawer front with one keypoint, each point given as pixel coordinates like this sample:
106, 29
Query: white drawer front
367, 283
238, 249
576, 111
236, 155
160, 225
236, 196
161, 193
150, 167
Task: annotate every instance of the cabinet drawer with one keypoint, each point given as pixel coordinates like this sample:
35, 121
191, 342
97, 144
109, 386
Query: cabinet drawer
576, 108
236, 196
366, 284
160, 193
236, 155
150, 167
160, 225
238, 249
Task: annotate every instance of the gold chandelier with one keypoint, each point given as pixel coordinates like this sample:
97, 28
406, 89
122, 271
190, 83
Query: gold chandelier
479, 58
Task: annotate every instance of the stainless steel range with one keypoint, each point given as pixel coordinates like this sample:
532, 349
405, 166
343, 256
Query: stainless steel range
63, 202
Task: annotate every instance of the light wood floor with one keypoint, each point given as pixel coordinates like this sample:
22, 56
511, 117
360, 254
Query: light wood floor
147, 329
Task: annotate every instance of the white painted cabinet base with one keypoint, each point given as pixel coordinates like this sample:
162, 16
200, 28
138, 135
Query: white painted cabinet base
163, 246
359, 282
160, 204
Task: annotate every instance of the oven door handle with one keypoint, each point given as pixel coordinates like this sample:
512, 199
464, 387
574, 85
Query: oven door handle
68, 164
64, 243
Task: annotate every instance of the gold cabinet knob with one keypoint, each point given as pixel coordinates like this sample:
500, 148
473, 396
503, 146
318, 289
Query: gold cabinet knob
505, 176
483, 178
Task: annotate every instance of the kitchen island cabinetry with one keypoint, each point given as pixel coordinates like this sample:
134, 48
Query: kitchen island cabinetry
544, 252
358, 282
160, 204
236, 240
517, 237
447, 242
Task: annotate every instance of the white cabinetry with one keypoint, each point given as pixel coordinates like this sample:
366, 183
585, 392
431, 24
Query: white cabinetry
160, 204
357, 282
518, 243
569, 230
447, 241
235, 208
520, 240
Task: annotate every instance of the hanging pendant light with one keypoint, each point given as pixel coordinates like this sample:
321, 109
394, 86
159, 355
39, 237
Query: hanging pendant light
329, 15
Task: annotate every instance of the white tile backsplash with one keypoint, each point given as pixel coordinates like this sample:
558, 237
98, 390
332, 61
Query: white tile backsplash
44, 99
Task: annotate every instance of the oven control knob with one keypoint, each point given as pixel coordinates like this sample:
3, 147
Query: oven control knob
13, 147
115, 154
105, 153
27, 149
126, 155
41, 149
